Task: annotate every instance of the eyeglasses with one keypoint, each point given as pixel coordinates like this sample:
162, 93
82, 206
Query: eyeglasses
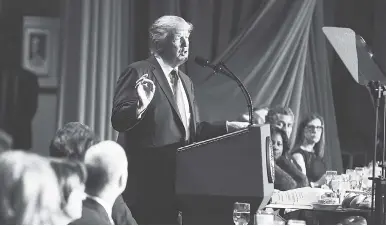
312, 127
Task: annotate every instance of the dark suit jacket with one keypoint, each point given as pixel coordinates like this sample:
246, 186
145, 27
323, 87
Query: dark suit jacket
121, 214
92, 213
151, 141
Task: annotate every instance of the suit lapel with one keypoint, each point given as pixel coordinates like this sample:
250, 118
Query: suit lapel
190, 95
164, 85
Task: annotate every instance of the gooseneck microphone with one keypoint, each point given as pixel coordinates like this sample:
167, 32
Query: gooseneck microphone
206, 63
222, 68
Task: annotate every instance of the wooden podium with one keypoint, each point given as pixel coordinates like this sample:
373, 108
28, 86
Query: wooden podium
238, 167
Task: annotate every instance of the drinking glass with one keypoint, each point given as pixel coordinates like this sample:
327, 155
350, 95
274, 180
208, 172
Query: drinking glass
336, 184
360, 171
329, 176
241, 213
350, 172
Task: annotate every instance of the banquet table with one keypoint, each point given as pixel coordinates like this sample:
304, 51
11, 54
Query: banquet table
321, 216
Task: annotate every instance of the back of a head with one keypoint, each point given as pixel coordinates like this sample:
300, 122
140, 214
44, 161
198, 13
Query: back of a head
29, 192
106, 163
72, 140
270, 118
71, 175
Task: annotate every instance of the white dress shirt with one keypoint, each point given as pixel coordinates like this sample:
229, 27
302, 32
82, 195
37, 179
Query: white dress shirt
105, 205
167, 70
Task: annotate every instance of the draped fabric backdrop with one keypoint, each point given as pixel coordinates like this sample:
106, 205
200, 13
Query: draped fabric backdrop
275, 47
94, 40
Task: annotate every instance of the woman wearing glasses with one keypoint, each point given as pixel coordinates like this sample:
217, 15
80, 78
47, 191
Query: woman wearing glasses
308, 151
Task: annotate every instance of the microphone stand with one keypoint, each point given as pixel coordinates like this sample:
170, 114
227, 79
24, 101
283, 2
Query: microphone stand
221, 67
378, 191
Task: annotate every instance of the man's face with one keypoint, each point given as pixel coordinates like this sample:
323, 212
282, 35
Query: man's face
176, 49
284, 122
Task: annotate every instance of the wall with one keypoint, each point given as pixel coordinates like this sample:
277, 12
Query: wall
44, 122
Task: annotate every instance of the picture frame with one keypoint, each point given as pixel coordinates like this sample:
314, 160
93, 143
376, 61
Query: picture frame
40, 50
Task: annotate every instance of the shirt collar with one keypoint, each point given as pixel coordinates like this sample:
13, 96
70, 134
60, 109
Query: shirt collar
104, 204
164, 66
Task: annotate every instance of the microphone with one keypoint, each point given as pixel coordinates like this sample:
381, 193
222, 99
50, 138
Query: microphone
222, 68
205, 63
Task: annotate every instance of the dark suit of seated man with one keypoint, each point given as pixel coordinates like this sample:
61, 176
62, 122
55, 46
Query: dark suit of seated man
71, 142
107, 177
93, 213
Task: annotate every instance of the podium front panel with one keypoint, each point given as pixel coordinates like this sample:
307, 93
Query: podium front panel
236, 167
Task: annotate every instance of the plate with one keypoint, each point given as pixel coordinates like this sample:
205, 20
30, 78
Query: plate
326, 206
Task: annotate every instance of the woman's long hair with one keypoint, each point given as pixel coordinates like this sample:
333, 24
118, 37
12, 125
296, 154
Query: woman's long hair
319, 146
29, 192
282, 133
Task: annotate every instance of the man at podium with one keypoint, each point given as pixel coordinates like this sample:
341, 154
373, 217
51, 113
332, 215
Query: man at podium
154, 111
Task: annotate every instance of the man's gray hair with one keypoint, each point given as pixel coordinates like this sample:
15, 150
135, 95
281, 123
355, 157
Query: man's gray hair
163, 27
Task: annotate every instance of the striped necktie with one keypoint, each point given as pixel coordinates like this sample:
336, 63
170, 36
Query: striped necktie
178, 98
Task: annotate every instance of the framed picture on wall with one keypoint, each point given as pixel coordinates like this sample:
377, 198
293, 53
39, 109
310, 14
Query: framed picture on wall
36, 50
41, 48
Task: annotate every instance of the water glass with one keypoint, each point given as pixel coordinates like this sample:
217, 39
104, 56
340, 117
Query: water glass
350, 172
241, 213
336, 184
360, 171
329, 176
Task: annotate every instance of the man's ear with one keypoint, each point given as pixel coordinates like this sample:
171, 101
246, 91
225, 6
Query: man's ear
123, 181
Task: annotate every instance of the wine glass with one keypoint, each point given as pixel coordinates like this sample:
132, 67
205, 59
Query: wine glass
241, 213
360, 171
350, 172
336, 184
329, 176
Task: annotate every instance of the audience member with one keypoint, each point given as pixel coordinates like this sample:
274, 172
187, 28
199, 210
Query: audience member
72, 179
29, 191
71, 142
309, 149
281, 117
107, 178
288, 174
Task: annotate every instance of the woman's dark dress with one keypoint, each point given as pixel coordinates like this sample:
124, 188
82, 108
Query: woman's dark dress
315, 166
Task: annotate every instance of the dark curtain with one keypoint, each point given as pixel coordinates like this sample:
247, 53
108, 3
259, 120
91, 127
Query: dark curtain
354, 109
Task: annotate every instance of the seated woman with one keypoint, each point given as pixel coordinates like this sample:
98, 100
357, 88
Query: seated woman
287, 173
308, 151
72, 179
